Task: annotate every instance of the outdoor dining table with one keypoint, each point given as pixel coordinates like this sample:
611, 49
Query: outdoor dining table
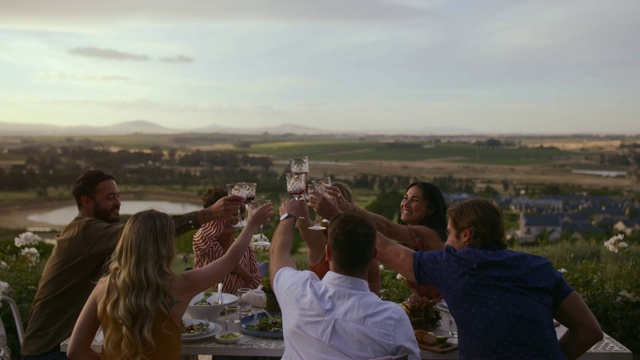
254, 346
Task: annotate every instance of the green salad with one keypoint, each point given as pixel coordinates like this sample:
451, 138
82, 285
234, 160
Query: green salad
268, 324
230, 336
204, 299
193, 329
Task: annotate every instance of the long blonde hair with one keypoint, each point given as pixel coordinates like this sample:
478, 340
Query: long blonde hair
137, 287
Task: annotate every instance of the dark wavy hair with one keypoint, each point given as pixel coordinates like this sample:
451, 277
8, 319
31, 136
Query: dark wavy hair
437, 220
86, 184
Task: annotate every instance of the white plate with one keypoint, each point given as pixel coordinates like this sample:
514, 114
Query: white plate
442, 306
213, 329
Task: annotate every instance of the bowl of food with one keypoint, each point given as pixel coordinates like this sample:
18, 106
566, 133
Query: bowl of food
206, 305
431, 337
263, 324
228, 337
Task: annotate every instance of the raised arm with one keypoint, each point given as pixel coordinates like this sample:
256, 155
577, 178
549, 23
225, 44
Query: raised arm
583, 329
395, 231
395, 256
223, 209
197, 280
314, 239
282, 240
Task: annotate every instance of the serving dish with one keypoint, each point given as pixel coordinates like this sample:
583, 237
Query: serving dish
204, 328
212, 310
228, 337
249, 325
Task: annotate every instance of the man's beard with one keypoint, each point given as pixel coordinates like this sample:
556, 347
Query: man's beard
104, 214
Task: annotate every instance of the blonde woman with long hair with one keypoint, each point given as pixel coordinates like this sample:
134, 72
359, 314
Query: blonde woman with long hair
140, 301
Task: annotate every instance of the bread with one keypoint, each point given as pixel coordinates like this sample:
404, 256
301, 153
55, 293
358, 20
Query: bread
425, 337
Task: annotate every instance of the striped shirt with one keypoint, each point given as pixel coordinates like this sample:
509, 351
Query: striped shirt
207, 248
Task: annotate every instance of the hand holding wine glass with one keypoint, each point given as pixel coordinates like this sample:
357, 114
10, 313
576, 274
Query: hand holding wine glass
260, 213
296, 184
322, 185
245, 190
255, 205
316, 189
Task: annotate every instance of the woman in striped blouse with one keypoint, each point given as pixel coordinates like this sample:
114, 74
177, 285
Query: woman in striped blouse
211, 242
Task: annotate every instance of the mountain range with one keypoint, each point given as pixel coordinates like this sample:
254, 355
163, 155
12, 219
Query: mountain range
148, 127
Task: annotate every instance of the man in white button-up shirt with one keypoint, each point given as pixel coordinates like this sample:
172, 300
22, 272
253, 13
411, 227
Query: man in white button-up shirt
336, 317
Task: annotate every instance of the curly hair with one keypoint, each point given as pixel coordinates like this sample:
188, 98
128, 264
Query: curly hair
212, 195
138, 278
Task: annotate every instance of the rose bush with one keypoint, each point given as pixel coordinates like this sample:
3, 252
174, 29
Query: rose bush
22, 260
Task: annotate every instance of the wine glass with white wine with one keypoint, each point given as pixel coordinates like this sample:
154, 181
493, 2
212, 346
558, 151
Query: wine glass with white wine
318, 190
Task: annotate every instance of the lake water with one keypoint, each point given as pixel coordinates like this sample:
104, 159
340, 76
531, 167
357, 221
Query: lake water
64, 215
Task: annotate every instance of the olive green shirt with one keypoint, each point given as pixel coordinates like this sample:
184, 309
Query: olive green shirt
78, 260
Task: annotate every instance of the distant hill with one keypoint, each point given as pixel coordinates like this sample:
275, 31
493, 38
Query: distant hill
132, 127
148, 127
144, 127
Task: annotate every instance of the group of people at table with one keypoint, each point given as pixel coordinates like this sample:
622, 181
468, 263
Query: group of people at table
120, 277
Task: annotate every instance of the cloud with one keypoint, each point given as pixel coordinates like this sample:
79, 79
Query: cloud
92, 78
176, 59
108, 54
94, 12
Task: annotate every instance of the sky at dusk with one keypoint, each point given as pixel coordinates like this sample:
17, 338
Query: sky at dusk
551, 67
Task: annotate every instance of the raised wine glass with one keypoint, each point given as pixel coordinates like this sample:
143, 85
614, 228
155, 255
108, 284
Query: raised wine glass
299, 165
250, 195
318, 189
324, 182
296, 185
247, 191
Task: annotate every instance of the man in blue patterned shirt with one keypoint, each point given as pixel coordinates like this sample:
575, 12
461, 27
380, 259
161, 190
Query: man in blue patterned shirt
504, 301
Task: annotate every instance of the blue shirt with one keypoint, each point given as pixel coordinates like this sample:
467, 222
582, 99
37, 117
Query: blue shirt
339, 318
502, 301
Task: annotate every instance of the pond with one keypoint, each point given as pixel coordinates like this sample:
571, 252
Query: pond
64, 215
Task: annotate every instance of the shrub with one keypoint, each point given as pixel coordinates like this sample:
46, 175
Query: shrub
21, 263
605, 275
394, 286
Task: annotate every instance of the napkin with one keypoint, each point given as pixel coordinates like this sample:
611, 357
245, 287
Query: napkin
256, 298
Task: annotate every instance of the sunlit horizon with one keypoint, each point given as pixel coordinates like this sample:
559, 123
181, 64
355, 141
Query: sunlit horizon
503, 67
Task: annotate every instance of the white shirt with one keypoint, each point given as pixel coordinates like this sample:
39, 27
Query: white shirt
339, 318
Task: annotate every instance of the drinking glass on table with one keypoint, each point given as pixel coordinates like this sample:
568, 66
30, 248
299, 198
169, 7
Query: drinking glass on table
232, 318
243, 301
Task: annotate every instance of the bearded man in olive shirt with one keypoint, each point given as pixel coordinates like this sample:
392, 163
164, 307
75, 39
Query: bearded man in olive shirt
79, 257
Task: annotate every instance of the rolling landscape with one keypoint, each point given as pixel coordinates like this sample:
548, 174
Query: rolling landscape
37, 169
